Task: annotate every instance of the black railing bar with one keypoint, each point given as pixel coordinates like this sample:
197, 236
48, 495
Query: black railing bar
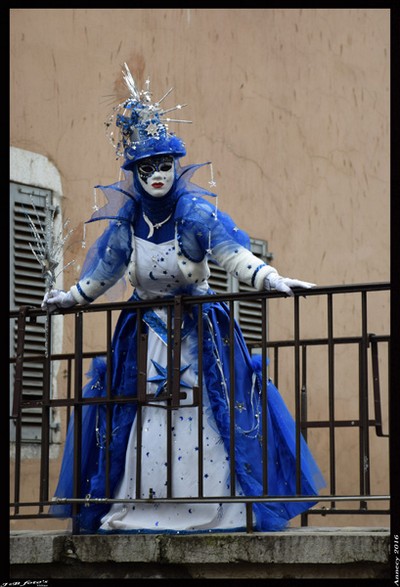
276, 366
296, 329
139, 424
264, 396
17, 465
214, 499
45, 424
337, 423
170, 348
305, 424
174, 323
376, 388
71, 402
108, 395
169, 447
303, 404
251, 344
322, 290
77, 419
69, 390
200, 338
304, 411
109, 353
331, 396
232, 460
337, 340
106, 448
363, 401
321, 512
142, 350
249, 518
361, 512
19, 359
177, 331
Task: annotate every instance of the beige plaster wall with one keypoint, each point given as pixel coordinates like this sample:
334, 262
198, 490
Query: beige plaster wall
290, 105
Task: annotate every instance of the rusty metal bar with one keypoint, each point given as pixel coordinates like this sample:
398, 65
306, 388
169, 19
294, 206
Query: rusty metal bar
77, 419
109, 408
264, 395
331, 398
142, 342
376, 387
45, 428
363, 404
276, 366
297, 390
177, 332
232, 397
199, 391
19, 364
303, 410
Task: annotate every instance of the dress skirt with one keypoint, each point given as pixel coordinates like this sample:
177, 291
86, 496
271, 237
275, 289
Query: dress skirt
200, 464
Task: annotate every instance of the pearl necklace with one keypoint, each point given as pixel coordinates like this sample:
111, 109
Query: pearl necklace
154, 226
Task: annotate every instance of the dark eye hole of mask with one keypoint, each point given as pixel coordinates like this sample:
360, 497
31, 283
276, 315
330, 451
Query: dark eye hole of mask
147, 168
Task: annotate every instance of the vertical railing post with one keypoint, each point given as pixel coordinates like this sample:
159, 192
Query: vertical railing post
109, 406
77, 420
177, 331
297, 390
363, 405
331, 396
45, 432
303, 409
232, 398
264, 395
200, 337
142, 341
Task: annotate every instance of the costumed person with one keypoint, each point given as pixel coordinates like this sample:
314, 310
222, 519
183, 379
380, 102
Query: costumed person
162, 233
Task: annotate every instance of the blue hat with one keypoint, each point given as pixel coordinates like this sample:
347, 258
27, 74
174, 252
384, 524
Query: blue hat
141, 132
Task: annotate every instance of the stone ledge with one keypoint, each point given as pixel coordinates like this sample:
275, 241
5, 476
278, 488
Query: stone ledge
328, 546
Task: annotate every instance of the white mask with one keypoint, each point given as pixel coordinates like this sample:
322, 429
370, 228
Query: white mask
156, 174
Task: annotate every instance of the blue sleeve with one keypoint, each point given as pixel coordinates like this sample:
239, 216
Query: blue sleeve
201, 228
105, 263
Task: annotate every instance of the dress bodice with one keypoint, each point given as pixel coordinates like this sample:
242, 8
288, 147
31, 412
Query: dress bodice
157, 270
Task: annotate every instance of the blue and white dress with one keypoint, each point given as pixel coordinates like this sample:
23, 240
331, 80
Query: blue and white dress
174, 260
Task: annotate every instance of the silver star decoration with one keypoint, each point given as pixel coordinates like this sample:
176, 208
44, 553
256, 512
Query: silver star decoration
152, 129
162, 377
240, 406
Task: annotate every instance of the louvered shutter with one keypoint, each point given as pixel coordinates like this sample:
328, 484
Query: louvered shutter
27, 287
247, 312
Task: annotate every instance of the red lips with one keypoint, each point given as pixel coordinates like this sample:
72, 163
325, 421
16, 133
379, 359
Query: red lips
157, 185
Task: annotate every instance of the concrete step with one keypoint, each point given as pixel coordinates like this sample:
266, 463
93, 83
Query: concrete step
309, 552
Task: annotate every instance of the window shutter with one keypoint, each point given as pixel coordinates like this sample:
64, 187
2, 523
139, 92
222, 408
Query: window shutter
248, 313
27, 287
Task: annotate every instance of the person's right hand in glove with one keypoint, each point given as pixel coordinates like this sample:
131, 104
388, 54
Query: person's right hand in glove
57, 298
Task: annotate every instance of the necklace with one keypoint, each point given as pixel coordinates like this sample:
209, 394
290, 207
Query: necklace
154, 226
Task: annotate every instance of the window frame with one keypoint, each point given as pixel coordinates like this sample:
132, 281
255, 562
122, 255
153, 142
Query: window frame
32, 177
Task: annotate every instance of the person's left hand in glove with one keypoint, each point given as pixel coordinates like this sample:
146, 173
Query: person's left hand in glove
274, 281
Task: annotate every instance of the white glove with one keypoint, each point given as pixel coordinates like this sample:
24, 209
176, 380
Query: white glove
56, 298
284, 284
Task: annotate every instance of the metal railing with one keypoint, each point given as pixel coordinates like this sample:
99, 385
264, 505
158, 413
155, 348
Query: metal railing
373, 351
